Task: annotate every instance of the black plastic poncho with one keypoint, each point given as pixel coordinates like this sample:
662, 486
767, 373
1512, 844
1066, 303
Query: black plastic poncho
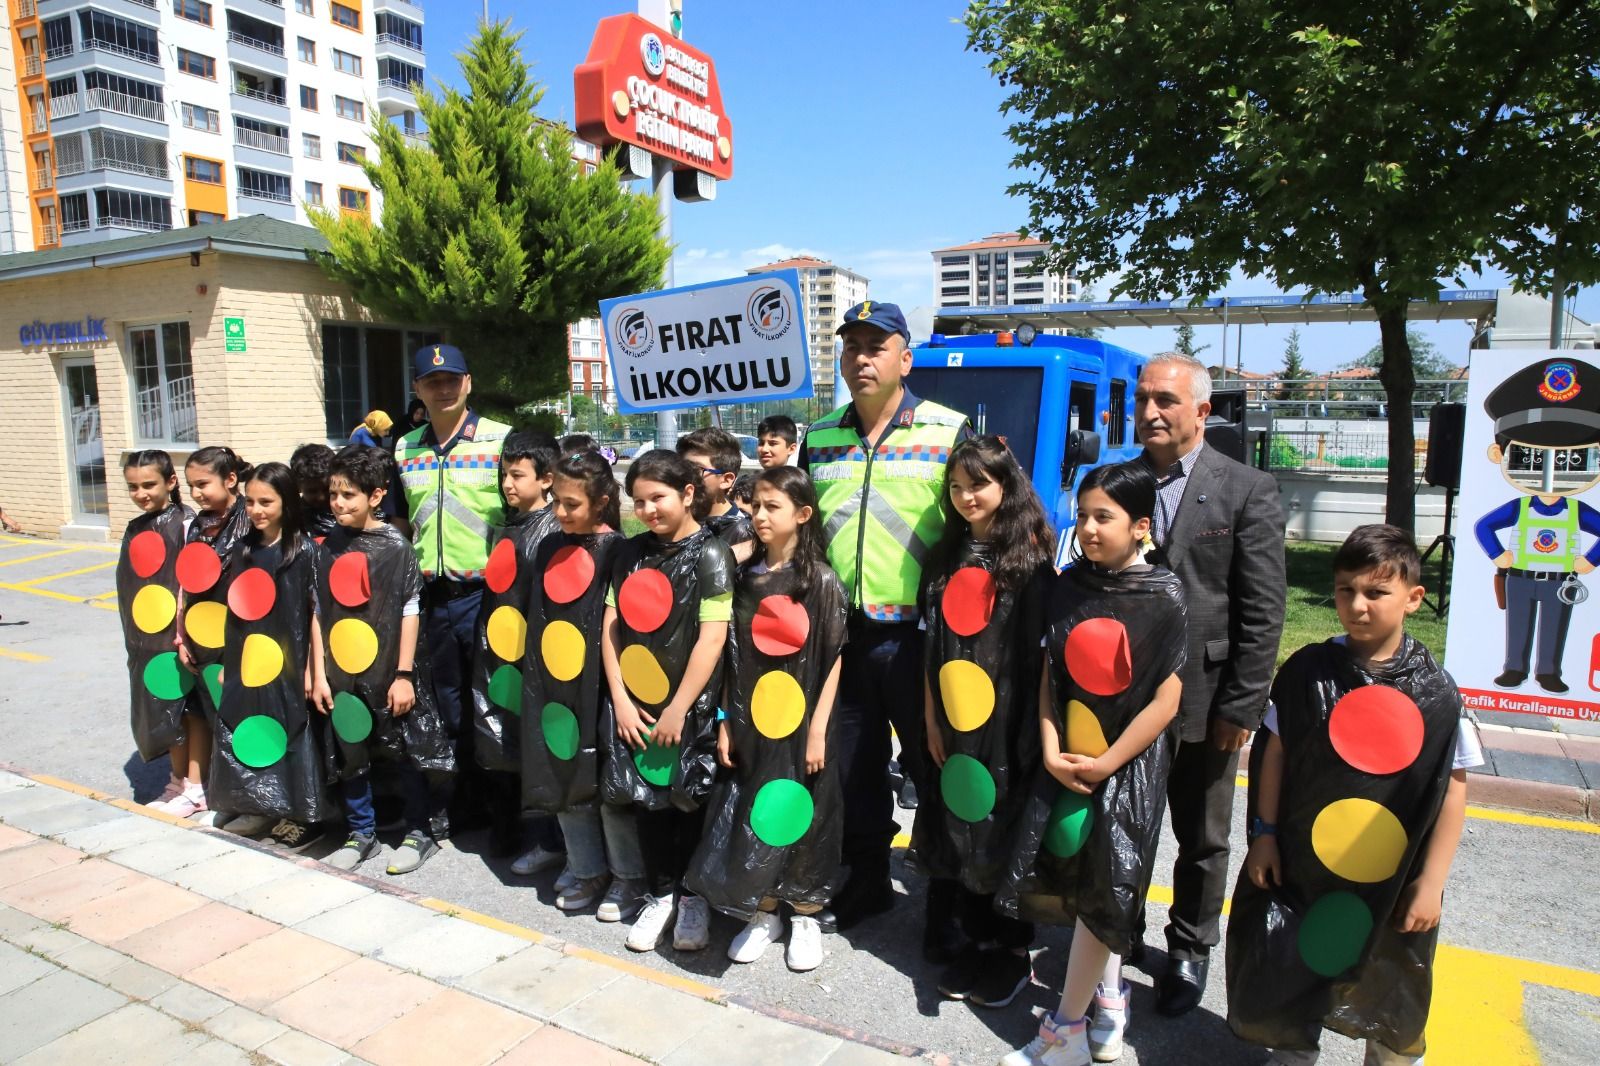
771, 828
732, 526
147, 586
204, 571
1112, 640
320, 523
563, 678
981, 653
658, 588
1368, 750
266, 759
364, 580
502, 639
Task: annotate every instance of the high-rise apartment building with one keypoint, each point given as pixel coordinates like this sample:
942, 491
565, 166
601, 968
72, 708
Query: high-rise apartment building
827, 292
999, 270
139, 115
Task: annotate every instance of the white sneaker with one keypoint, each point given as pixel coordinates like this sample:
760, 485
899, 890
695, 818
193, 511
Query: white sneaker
249, 825
751, 942
565, 881
805, 944
582, 893
622, 901
1108, 1020
693, 930
538, 859
651, 923
173, 790
188, 803
1056, 1045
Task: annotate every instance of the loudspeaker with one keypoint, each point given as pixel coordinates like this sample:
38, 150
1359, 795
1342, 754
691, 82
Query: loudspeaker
1447, 425
1225, 426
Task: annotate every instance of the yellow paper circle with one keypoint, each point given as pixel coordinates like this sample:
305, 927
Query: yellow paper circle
563, 648
1359, 840
508, 633
353, 645
205, 622
1084, 735
643, 674
968, 694
153, 609
778, 705
260, 661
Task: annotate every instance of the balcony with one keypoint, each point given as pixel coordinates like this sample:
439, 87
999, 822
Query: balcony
401, 5
97, 45
37, 123
63, 107
125, 166
416, 138
27, 9
32, 66
43, 179
266, 194
266, 142
123, 104
141, 224
257, 43
49, 234
400, 42
60, 51
80, 225
67, 168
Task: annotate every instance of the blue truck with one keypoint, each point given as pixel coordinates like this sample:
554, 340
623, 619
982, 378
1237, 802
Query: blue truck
1063, 404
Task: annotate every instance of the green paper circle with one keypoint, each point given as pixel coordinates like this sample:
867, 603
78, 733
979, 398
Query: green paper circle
351, 718
505, 688
213, 679
259, 741
655, 763
165, 679
1071, 818
560, 728
1334, 932
781, 813
967, 788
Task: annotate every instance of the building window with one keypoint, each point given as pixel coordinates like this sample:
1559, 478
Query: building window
75, 213
304, 7
308, 98
310, 146
348, 17
263, 184
198, 65
201, 218
206, 170
402, 75
193, 10
354, 110
344, 61
353, 199
111, 34
57, 37
163, 384
394, 29
314, 192
308, 50
351, 153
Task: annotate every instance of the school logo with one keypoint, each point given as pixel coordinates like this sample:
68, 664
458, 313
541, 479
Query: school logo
1560, 382
1545, 541
635, 333
438, 356
654, 56
768, 313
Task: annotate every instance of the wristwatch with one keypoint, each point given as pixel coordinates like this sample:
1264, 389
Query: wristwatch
1258, 828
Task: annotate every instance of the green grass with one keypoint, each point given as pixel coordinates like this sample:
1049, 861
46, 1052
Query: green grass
631, 526
1309, 617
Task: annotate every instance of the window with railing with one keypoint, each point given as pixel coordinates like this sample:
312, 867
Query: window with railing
206, 170
119, 36
392, 29
193, 10
124, 152
74, 212
58, 37
348, 17
38, 113
131, 210
267, 136
63, 94
258, 87
354, 110
202, 118
253, 33
198, 65
27, 9
400, 75
69, 155
263, 184
43, 175
163, 384
127, 96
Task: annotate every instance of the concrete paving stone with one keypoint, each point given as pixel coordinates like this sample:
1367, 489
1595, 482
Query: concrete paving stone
132, 910
1551, 769
296, 896
14, 838
1516, 720
741, 1038
51, 1007
137, 981
643, 1019
213, 1053
14, 922
367, 924
19, 864
124, 832
449, 949
9, 781
298, 1049
33, 797
92, 960
49, 940
191, 940
353, 1002
160, 858
451, 1027
55, 894
228, 875
1487, 769
1534, 743
1590, 772
1581, 748
853, 1054
18, 968
268, 969
550, 1046
524, 981
59, 818
190, 1002
135, 1035
244, 1028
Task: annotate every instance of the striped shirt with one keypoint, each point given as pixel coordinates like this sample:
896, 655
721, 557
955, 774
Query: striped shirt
1169, 490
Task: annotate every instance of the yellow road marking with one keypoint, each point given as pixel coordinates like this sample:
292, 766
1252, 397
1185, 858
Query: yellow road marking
70, 573
46, 593
1489, 814
23, 656
35, 558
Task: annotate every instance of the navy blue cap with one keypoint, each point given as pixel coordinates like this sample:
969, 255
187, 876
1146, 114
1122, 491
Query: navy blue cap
886, 317
439, 357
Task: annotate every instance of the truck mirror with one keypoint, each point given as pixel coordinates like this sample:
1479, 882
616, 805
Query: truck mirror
1083, 448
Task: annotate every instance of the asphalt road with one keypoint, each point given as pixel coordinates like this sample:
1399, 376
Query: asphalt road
1516, 980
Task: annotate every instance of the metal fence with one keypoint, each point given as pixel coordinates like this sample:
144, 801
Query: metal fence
597, 415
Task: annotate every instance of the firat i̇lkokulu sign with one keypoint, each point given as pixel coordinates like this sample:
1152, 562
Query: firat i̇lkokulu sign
643, 87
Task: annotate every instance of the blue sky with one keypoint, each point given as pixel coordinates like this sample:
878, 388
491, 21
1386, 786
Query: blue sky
864, 133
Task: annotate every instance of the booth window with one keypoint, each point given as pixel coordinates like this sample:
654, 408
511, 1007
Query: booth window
1117, 415
163, 384
366, 367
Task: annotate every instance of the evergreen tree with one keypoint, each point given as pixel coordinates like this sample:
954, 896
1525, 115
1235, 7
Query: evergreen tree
1294, 368
1185, 342
492, 232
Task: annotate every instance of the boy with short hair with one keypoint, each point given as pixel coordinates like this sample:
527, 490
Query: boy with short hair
776, 440
744, 492
716, 452
369, 607
1358, 792
310, 464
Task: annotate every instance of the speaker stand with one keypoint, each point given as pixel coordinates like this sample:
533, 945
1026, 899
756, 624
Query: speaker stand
1445, 545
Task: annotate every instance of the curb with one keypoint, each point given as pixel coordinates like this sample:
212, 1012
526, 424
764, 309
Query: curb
1537, 797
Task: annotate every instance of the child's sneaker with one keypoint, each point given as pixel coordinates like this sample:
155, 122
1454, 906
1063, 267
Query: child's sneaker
173, 790
805, 944
357, 850
1002, 975
531, 862
188, 803
623, 900
1108, 1020
1058, 1044
959, 978
751, 942
693, 929
292, 836
414, 850
582, 892
651, 923
250, 825
566, 880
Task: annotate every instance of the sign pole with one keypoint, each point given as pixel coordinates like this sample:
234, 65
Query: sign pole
661, 179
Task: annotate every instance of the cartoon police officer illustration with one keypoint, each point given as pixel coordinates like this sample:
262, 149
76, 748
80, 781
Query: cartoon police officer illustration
1547, 445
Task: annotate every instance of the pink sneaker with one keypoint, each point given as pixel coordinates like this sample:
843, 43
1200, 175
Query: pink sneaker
173, 790
189, 803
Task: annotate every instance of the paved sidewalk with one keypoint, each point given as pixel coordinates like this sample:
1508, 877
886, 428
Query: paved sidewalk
131, 937
1534, 769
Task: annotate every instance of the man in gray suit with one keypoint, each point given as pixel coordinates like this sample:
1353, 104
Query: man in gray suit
1220, 524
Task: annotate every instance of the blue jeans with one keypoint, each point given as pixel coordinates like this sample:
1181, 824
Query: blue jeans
602, 838
357, 795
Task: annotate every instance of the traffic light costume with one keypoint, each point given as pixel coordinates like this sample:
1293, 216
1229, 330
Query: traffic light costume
147, 585
204, 571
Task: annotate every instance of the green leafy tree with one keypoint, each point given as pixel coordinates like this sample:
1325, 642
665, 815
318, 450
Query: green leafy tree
1329, 146
1294, 367
1185, 342
1427, 363
492, 232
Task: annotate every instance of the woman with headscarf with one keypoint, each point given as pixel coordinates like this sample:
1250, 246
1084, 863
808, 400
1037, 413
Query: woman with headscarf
372, 429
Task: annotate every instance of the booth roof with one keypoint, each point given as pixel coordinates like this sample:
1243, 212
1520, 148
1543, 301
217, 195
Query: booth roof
258, 235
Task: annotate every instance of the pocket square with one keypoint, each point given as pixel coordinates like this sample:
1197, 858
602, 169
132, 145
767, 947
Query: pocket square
1223, 532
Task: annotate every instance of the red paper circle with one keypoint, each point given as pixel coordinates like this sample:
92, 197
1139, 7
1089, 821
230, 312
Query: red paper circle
146, 553
569, 574
1376, 729
645, 600
252, 594
198, 568
501, 569
350, 580
968, 600
1098, 658
780, 626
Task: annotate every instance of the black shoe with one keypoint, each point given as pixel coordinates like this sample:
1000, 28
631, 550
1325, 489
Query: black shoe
962, 976
1551, 682
827, 921
1005, 974
1136, 954
293, 837
1181, 987
1511, 678
859, 900
908, 795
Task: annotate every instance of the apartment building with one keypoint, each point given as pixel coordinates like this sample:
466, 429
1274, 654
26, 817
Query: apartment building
590, 373
999, 270
143, 115
827, 291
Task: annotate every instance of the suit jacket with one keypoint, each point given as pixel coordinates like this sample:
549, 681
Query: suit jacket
1226, 545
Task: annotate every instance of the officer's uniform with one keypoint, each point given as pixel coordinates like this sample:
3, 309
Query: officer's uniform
1553, 404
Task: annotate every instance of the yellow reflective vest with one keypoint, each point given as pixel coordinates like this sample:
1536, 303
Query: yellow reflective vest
453, 499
